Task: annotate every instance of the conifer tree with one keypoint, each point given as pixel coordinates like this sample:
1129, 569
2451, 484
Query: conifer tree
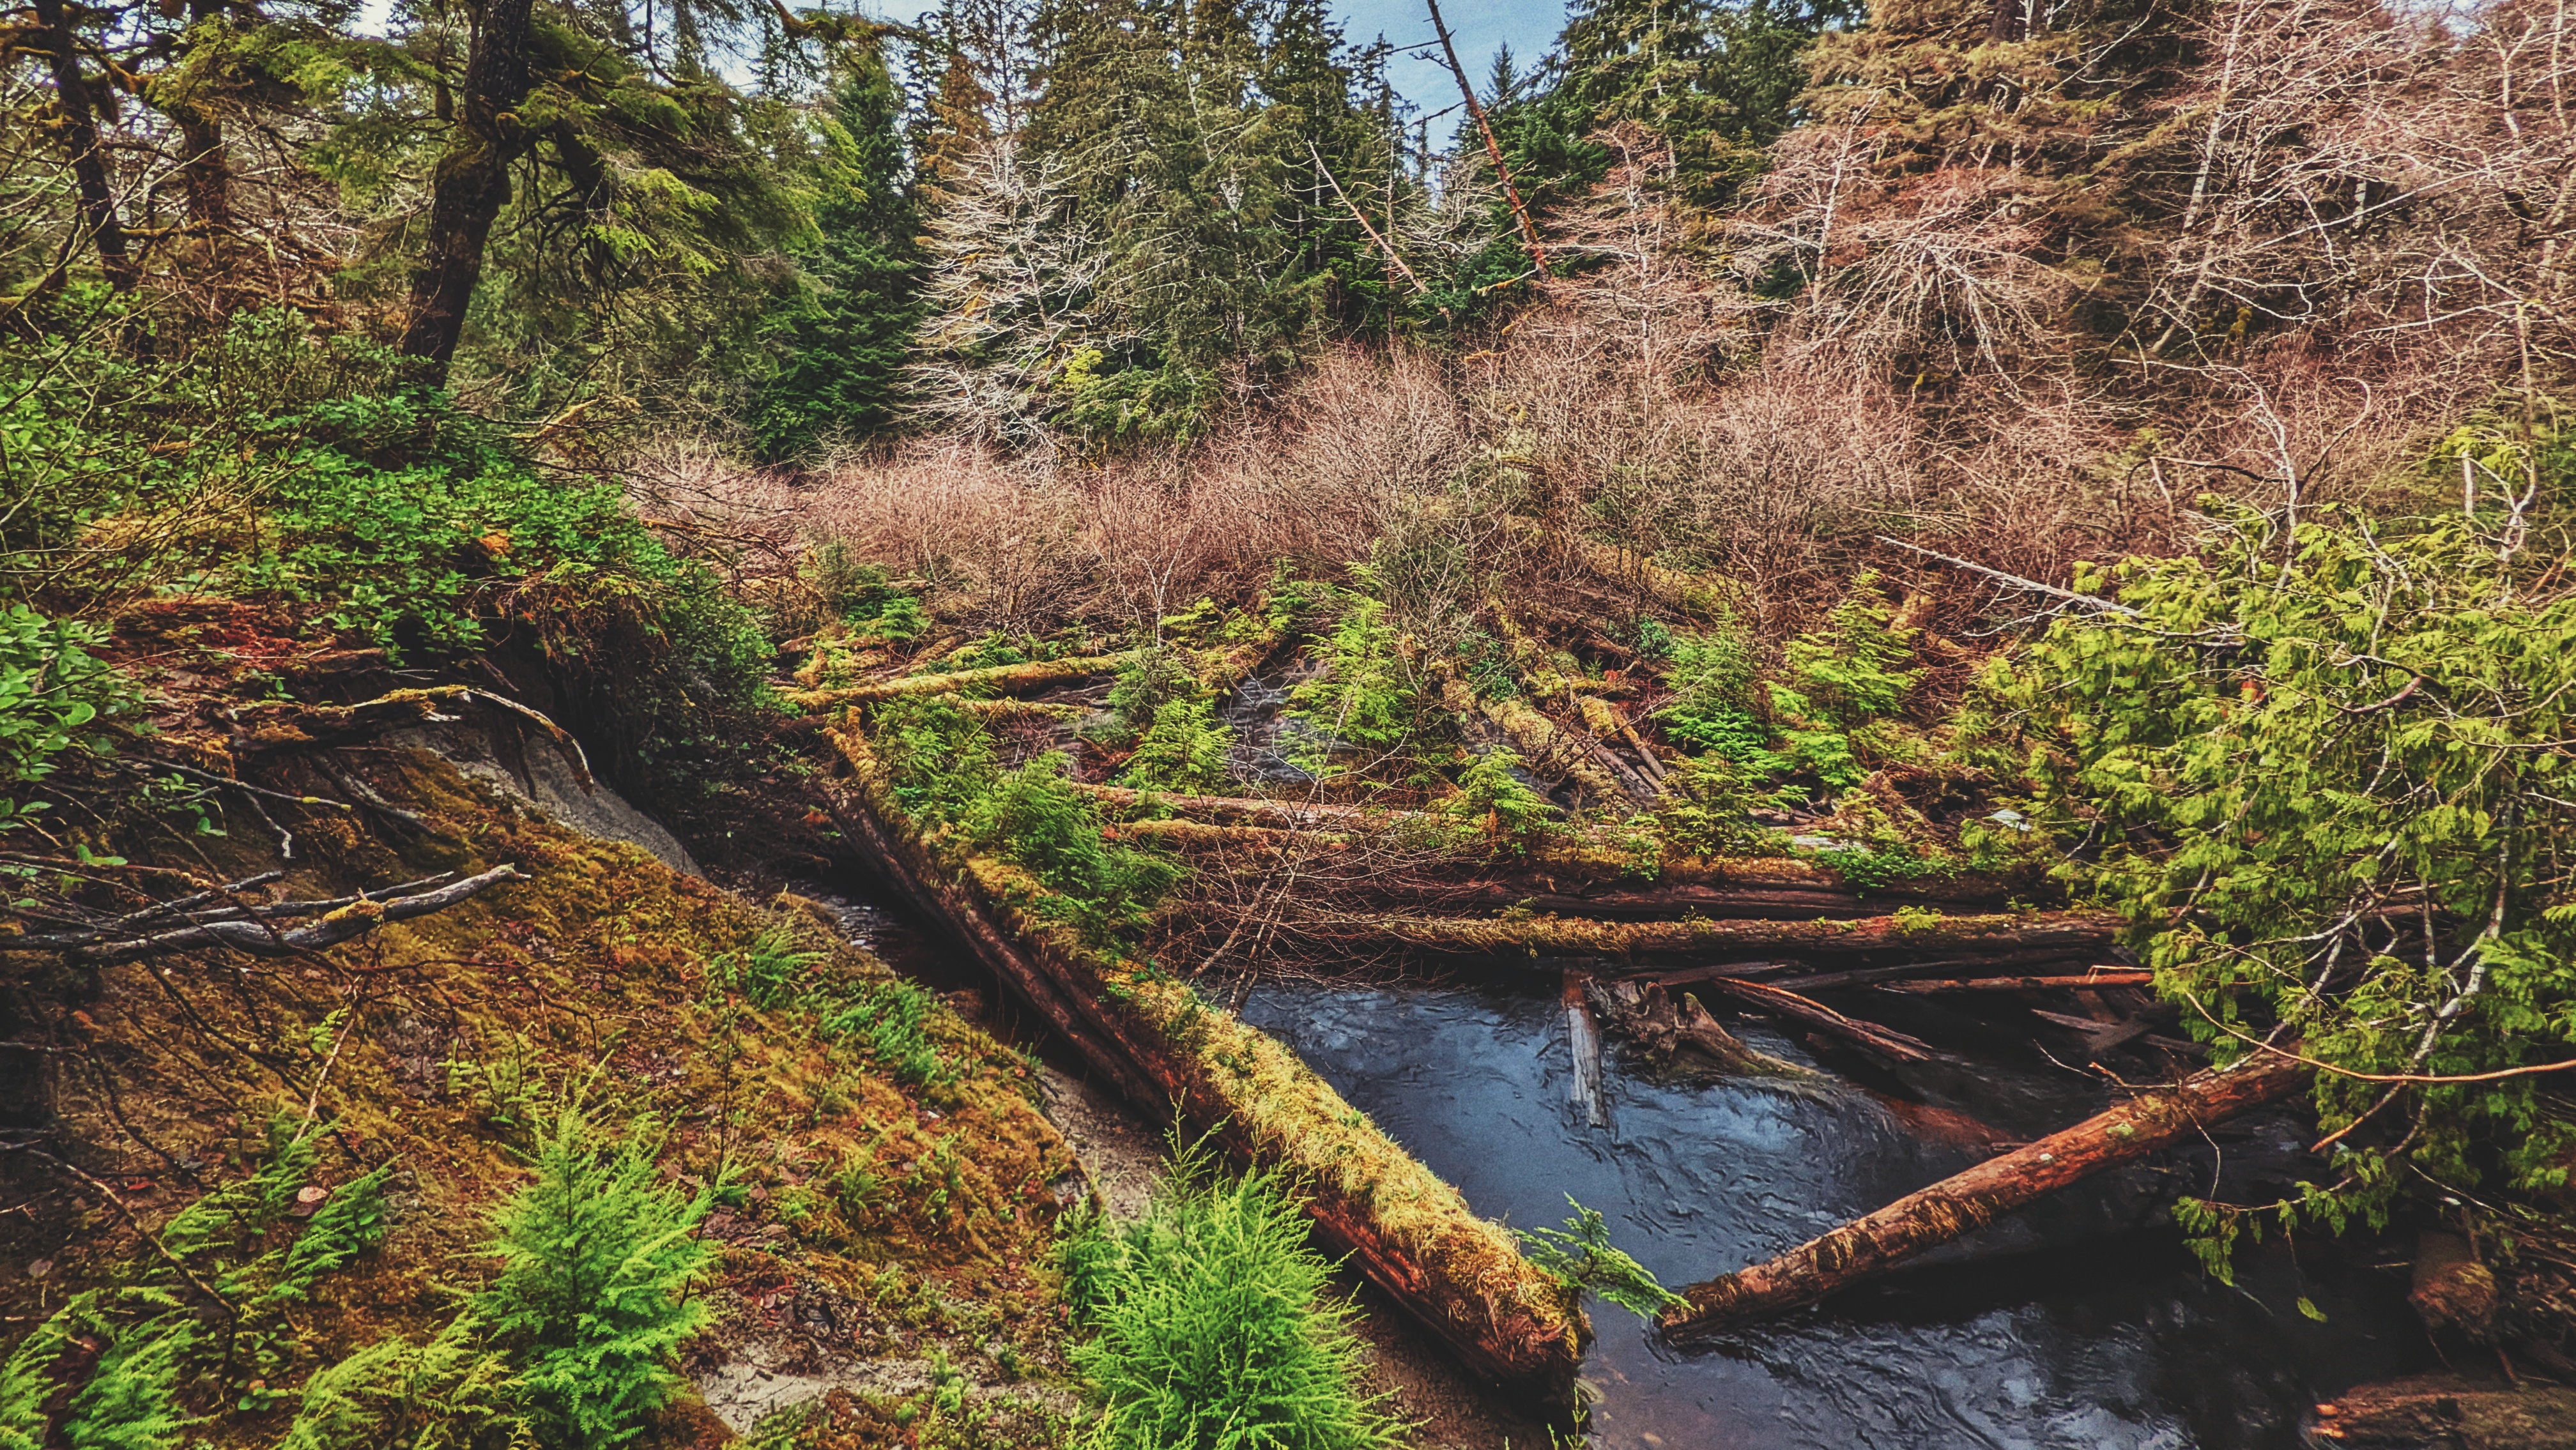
842, 343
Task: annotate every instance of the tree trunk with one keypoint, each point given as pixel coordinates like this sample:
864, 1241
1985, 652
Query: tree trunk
473, 183
80, 140
205, 164
1968, 1201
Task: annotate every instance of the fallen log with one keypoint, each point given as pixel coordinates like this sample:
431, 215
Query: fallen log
1789, 1006
1544, 935
1172, 1054
2021, 984
1549, 749
998, 679
1957, 1205
1251, 810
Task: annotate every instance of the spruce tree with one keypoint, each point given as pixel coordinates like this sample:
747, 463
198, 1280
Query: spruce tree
840, 341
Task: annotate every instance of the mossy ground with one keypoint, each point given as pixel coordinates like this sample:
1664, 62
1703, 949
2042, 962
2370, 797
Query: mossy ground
871, 1221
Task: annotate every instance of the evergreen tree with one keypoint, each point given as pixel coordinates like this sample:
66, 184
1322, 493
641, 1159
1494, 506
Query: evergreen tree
842, 339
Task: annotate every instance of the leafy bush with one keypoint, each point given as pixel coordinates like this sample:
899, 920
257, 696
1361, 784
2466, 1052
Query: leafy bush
596, 1258
1208, 1325
51, 689
2325, 782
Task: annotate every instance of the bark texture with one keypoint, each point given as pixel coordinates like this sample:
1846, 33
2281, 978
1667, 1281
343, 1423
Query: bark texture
472, 182
79, 112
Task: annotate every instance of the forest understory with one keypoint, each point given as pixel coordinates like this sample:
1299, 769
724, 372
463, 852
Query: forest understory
704, 704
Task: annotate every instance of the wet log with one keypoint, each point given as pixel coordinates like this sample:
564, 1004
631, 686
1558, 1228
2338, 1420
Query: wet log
1540, 935
1778, 1002
2020, 984
1968, 1201
1171, 1054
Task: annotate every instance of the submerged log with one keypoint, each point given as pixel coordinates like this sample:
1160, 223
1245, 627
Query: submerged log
1778, 1002
1968, 1201
1540, 935
1171, 1054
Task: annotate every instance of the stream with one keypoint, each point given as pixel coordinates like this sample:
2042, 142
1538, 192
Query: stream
2077, 1323
2092, 1334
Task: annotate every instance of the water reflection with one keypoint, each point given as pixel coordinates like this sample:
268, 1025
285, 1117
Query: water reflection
2112, 1341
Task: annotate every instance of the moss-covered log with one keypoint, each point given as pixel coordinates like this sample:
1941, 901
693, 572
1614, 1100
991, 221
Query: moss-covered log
1414, 1235
1830, 939
2025, 984
997, 680
1551, 750
1968, 1201
1249, 810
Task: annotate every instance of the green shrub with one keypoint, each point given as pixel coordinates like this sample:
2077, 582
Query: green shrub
1149, 679
452, 1393
1843, 680
596, 1260
52, 689
1185, 751
1034, 818
1209, 1328
1711, 676
1368, 697
1706, 807
1492, 801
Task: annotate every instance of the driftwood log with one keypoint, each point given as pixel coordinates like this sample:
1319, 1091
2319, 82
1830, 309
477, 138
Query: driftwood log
1968, 1201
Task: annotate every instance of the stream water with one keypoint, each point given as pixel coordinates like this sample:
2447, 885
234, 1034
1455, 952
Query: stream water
2073, 1325
2087, 1335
